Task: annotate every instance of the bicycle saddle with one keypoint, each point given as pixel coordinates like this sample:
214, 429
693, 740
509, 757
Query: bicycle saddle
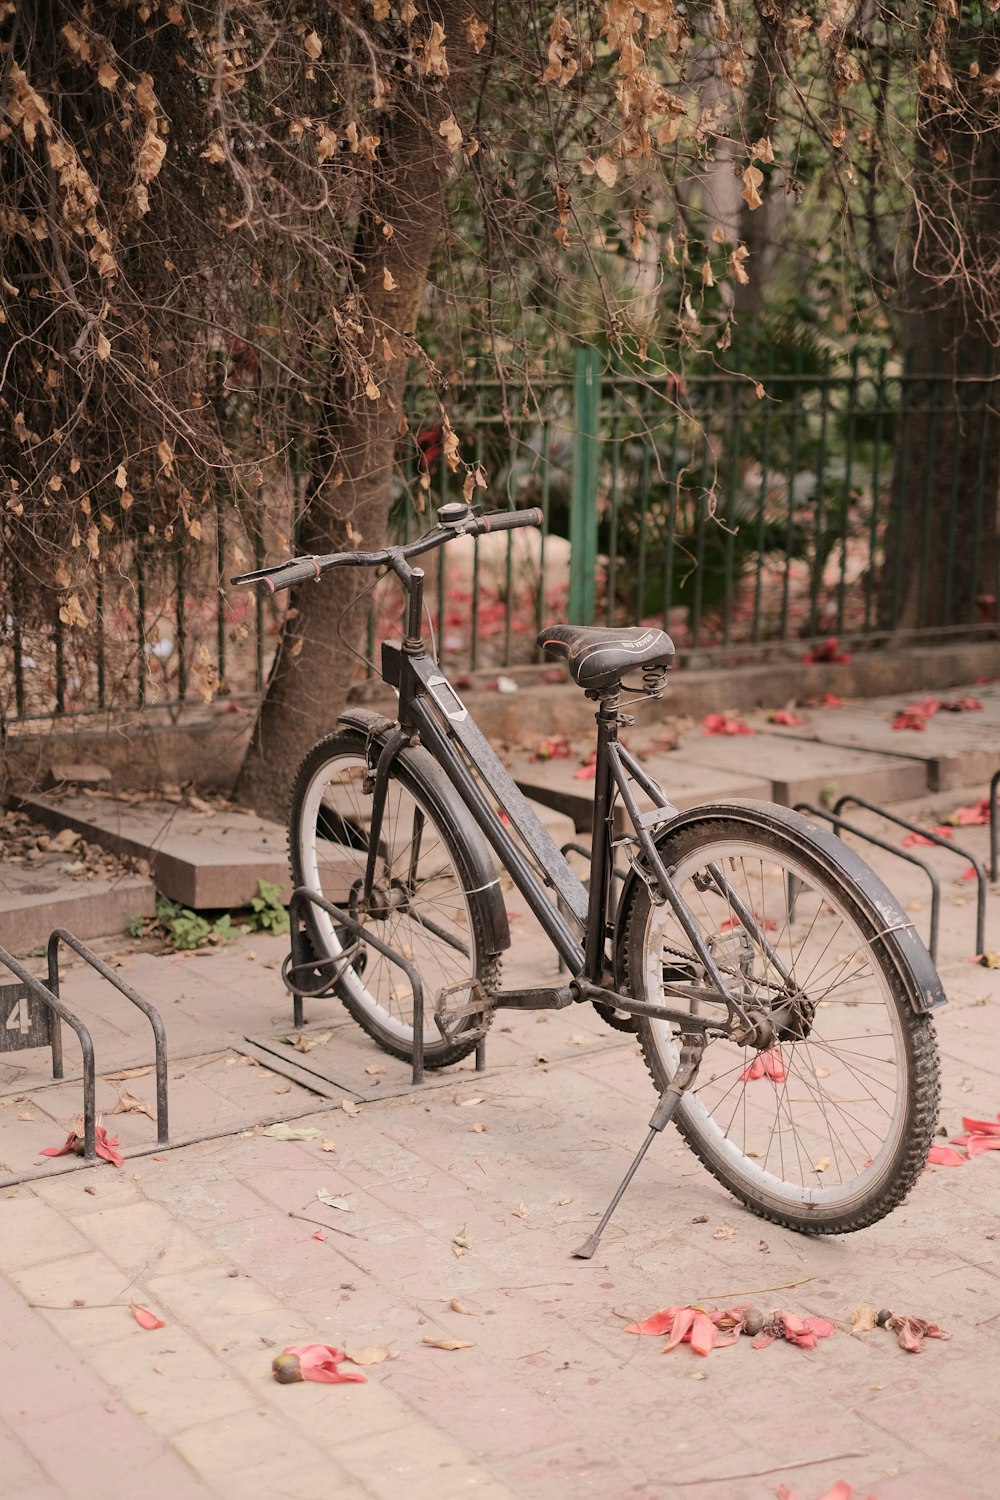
598, 658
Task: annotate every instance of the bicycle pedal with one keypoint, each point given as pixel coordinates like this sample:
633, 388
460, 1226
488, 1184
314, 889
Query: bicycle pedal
456, 1004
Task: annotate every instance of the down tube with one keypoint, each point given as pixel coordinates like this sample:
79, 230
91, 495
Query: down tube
436, 740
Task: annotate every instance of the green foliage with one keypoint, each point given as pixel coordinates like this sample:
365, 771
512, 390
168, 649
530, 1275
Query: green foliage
268, 913
186, 930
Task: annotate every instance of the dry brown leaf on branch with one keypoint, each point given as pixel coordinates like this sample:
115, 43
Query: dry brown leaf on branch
449, 1344
476, 32
752, 179
451, 133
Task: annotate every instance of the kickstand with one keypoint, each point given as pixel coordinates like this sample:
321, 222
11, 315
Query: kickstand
692, 1048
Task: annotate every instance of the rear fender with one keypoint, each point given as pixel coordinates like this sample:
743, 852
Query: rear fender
893, 929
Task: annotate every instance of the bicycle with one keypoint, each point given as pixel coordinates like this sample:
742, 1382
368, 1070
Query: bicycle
782, 999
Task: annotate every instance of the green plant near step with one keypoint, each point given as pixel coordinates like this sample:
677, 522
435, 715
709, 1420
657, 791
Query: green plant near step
267, 912
185, 929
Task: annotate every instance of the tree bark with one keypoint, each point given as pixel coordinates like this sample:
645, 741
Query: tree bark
350, 486
941, 552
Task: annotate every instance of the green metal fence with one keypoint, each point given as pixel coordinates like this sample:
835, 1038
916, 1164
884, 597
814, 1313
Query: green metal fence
826, 498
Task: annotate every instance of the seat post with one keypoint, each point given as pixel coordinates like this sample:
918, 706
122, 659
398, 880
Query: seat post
600, 848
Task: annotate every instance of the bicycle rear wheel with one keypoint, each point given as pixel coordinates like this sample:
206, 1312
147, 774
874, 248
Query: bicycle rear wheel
425, 903
828, 1130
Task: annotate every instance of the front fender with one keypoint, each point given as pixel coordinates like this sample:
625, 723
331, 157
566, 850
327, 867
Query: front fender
480, 870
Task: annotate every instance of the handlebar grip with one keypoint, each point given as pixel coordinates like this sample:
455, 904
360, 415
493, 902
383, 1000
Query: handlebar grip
283, 575
510, 520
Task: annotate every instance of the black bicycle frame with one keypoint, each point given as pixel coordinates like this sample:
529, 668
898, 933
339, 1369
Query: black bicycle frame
430, 708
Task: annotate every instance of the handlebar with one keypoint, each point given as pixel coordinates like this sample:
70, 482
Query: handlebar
453, 520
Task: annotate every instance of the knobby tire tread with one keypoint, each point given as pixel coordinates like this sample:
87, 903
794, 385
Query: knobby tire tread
438, 1053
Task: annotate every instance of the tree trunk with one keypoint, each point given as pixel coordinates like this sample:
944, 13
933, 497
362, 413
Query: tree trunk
350, 486
941, 553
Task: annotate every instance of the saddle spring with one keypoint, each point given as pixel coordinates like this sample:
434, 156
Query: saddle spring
654, 680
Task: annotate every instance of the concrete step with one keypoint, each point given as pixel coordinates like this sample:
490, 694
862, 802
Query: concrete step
203, 860
955, 749
96, 908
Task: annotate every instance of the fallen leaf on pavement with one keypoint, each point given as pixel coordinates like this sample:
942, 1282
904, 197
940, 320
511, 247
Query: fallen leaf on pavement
317, 1362
332, 1201
462, 1240
350, 1108
449, 1344
521, 1211
460, 1307
374, 1069
144, 1317
327, 1145
125, 1073
479, 1127
476, 1099
374, 1354
303, 1043
724, 1232
283, 1132
128, 1104
863, 1319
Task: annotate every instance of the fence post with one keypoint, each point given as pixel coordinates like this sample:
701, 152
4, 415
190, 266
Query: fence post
583, 492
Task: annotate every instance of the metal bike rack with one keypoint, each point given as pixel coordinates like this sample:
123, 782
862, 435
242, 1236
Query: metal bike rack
994, 831
303, 960
871, 838
936, 839
27, 1010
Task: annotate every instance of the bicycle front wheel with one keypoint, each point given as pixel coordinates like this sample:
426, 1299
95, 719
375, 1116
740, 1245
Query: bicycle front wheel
828, 1130
424, 902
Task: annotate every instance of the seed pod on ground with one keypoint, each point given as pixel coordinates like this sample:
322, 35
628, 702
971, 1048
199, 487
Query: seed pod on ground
883, 1317
753, 1321
286, 1368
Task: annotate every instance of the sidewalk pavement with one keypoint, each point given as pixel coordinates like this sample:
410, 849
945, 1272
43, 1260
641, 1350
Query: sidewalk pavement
464, 1199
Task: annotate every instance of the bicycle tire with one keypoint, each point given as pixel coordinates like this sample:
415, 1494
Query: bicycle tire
839, 1139
328, 849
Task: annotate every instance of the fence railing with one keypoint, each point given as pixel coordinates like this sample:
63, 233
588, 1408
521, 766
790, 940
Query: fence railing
738, 514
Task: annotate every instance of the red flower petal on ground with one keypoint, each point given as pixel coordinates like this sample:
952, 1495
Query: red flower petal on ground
830, 700
969, 873
911, 1331
977, 1144
918, 838
656, 1323
64, 1150
106, 1147
981, 1127
841, 1491
970, 817
144, 1317
765, 1065
829, 651
944, 1156
764, 922
907, 719
720, 724
683, 1322
784, 716
320, 1362
702, 1334
963, 705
